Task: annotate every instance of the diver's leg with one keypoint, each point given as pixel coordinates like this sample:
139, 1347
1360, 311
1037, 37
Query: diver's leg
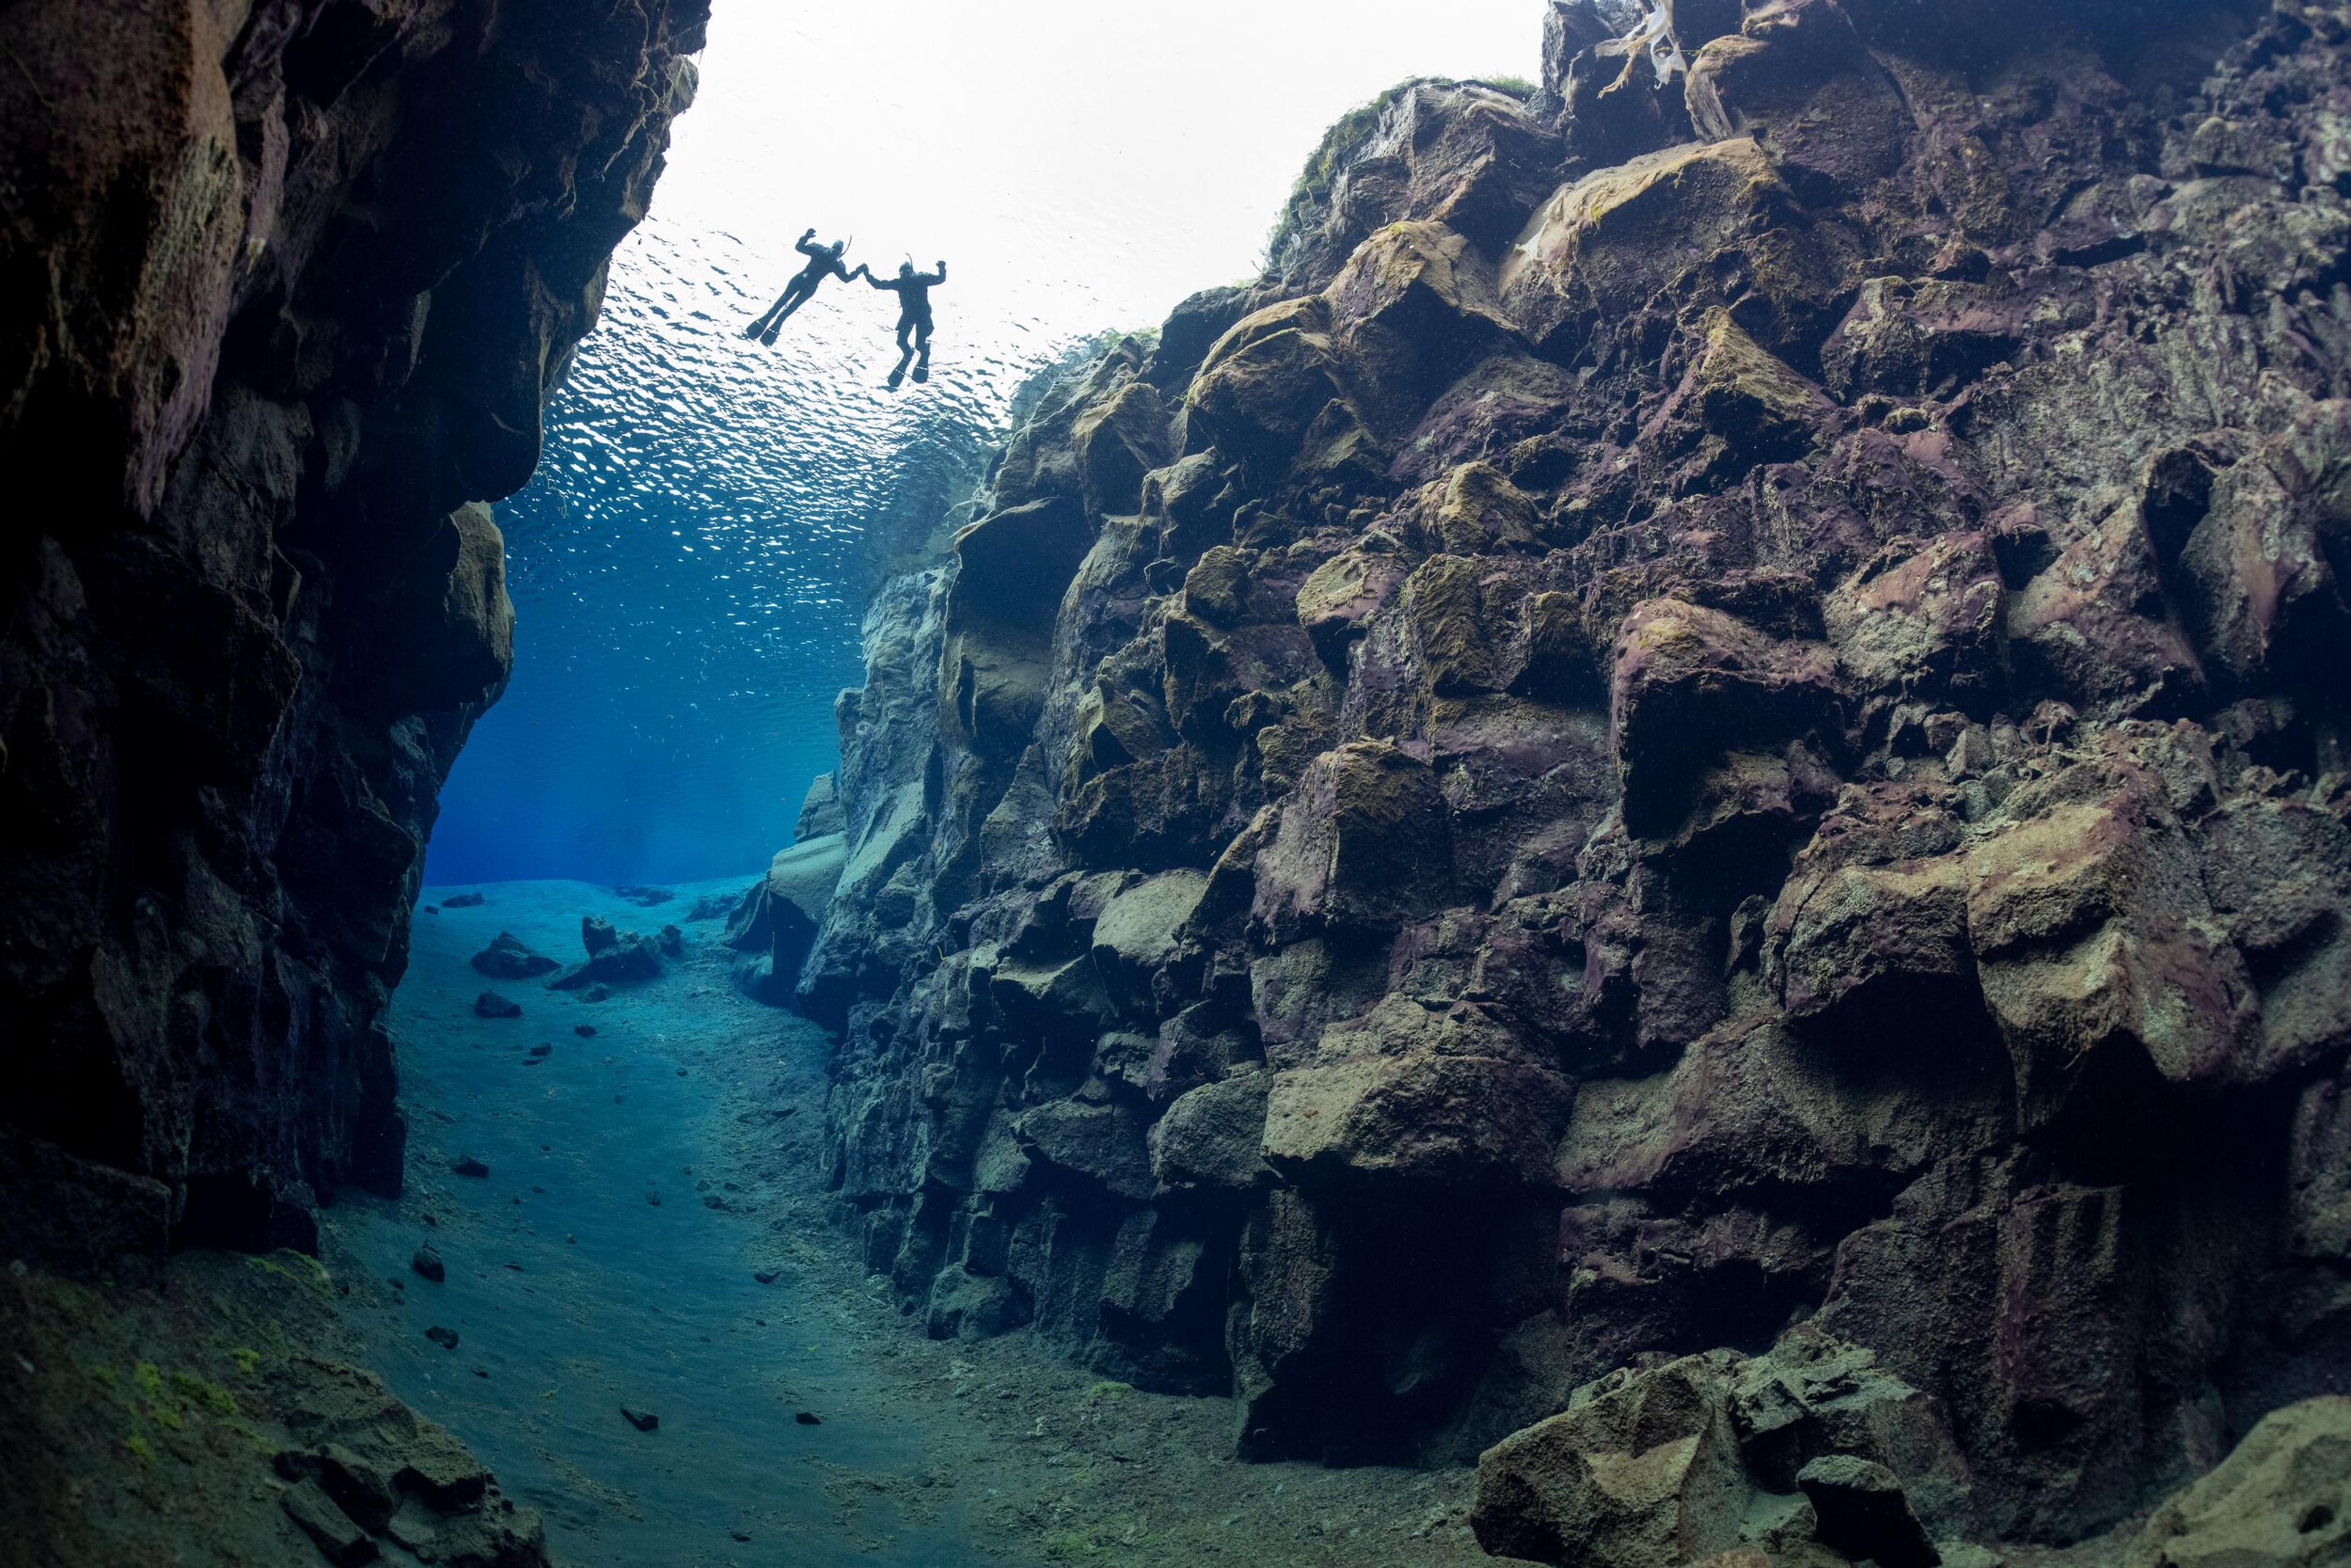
769, 318
794, 297
906, 353
923, 342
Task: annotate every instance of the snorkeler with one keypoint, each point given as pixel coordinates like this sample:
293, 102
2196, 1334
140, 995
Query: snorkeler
914, 291
824, 261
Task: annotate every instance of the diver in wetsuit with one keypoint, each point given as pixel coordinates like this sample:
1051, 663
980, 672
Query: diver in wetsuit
824, 261
914, 291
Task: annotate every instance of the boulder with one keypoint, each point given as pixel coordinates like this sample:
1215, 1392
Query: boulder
1642, 1471
2281, 1499
1362, 841
490, 1005
1687, 683
1861, 1511
1607, 244
596, 934
506, 958
1213, 1136
1796, 77
1139, 932
820, 812
628, 959
1421, 1121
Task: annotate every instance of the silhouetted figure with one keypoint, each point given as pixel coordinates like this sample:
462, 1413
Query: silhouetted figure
824, 261
914, 291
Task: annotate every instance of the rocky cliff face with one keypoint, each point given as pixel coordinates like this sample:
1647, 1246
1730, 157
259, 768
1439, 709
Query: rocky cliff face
1710, 725
286, 282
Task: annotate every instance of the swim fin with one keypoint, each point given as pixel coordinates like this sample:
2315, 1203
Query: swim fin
922, 372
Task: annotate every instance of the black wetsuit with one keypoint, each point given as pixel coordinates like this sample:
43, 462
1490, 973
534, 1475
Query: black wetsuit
824, 261
914, 292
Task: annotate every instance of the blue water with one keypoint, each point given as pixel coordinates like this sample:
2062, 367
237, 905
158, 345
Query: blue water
689, 570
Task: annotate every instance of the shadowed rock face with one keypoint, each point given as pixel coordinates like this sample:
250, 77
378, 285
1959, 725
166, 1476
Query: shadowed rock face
1720, 704
284, 284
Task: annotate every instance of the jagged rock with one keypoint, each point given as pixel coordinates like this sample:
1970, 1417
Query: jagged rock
1712, 705
644, 897
1641, 1475
670, 942
2282, 1497
627, 960
1604, 244
1676, 1463
506, 958
1137, 934
820, 814
1687, 683
774, 924
297, 594
1796, 77
339, 1540
1860, 1510
1431, 1121
1213, 1135
464, 901
490, 1005
596, 934
428, 1264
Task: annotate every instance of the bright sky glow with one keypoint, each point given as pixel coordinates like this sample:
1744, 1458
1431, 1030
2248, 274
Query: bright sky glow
1079, 163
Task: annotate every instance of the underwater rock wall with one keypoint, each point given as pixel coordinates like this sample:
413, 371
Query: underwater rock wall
1711, 721
286, 282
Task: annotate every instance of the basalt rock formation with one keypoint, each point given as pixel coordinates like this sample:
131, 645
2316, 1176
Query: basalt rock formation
1701, 745
286, 283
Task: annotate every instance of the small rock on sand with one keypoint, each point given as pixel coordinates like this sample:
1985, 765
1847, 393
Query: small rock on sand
642, 1420
428, 1264
445, 1338
584, 1031
542, 1051
490, 1005
464, 900
808, 1419
468, 1165
764, 1275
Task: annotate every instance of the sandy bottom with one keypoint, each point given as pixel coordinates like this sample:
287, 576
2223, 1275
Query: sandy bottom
639, 1179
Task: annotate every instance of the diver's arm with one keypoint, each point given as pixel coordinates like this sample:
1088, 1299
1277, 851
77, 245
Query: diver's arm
888, 285
803, 246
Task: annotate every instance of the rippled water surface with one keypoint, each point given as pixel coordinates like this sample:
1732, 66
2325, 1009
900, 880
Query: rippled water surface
689, 566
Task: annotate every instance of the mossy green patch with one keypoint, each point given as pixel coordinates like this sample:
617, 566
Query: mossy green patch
138, 1448
248, 1361
104, 1377
300, 1267
148, 1379
204, 1394
1321, 176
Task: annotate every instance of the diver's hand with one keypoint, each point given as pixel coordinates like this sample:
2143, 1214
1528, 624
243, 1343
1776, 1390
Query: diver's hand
810, 233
